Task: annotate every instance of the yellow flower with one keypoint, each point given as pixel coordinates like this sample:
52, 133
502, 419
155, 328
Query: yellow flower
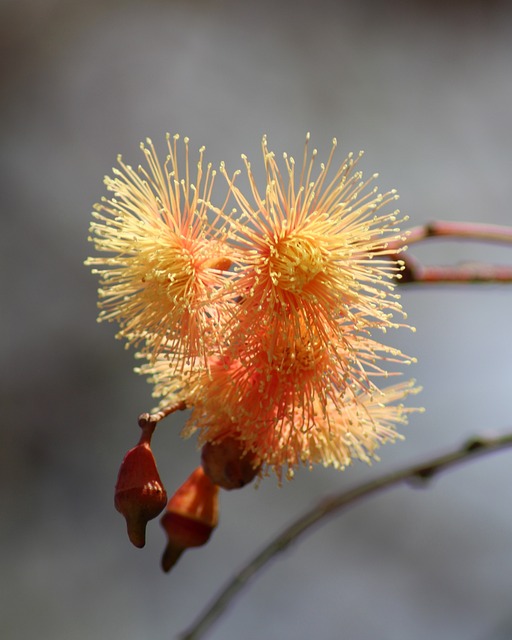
313, 250
162, 273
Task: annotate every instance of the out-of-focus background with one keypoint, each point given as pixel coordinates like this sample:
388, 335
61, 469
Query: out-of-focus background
426, 89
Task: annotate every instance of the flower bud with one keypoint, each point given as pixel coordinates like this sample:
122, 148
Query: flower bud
139, 495
191, 516
227, 465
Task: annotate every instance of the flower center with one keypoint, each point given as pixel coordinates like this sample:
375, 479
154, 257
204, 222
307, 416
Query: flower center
171, 270
294, 262
299, 358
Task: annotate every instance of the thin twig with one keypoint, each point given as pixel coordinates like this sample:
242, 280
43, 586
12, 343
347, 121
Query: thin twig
414, 475
152, 419
458, 231
415, 273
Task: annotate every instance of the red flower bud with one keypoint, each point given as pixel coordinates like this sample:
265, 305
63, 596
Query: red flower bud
139, 495
191, 516
226, 464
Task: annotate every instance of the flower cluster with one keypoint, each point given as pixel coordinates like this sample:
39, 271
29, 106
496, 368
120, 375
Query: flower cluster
262, 319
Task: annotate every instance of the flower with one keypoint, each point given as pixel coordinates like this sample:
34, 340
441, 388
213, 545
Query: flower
314, 251
165, 258
336, 434
313, 408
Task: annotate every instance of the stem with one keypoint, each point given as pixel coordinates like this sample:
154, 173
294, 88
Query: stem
415, 273
412, 475
457, 230
150, 420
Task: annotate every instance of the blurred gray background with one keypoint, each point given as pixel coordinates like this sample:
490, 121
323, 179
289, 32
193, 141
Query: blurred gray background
426, 89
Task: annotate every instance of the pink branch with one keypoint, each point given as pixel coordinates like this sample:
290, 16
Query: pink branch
415, 273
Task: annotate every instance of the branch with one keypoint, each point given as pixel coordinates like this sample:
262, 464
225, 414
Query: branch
414, 475
458, 231
415, 273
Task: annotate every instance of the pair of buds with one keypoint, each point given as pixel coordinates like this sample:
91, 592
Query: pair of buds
192, 513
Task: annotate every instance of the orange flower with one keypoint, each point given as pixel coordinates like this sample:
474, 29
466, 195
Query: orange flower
163, 271
335, 435
319, 406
